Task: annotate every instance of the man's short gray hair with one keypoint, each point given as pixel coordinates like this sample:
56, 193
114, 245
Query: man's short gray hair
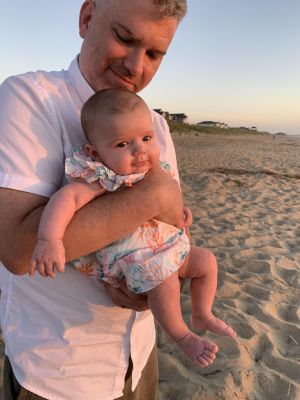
164, 8
171, 8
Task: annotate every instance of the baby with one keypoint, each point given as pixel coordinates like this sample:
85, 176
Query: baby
122, 148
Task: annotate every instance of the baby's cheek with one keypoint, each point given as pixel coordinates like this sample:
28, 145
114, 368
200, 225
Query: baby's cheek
156, 153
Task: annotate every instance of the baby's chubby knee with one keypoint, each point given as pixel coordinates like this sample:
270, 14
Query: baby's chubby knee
209, 256
205, 257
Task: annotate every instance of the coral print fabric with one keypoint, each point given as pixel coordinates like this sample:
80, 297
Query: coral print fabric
81, 166
147, 256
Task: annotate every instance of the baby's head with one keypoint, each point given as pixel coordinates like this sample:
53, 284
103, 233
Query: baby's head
118, 126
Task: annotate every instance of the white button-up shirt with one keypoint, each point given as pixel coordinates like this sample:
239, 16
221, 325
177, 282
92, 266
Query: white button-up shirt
64, 337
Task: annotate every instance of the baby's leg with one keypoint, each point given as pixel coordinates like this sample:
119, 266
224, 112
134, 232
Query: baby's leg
203, 271
164, 301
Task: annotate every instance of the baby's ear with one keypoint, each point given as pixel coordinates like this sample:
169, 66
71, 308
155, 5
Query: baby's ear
91, 152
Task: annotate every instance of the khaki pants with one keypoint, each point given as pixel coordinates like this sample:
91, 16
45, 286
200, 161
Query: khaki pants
145, 390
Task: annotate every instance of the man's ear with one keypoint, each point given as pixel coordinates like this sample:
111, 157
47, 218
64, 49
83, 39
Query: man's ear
92, 152
85, 17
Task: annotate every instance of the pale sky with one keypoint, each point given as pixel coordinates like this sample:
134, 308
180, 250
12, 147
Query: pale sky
233, 61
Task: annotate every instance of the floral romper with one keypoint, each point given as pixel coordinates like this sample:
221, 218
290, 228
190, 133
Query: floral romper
145, 257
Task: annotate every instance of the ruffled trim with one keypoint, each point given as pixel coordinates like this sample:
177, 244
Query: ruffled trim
83, 167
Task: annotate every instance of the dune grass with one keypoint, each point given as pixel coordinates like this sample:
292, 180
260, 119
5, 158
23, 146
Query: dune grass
189, 128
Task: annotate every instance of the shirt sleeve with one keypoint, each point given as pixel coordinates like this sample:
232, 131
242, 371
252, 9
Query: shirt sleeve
167, 150
31, 151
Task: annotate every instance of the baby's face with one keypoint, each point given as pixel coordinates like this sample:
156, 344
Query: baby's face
127, 143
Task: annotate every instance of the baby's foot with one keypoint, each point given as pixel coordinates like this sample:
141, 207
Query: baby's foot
213, 324
201, 351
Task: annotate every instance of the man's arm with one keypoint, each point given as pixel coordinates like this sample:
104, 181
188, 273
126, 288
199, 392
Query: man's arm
49, 252
63, 205
99, 223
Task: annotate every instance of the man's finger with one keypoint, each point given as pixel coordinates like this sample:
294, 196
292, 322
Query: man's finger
188, 217
120, 297
129, 293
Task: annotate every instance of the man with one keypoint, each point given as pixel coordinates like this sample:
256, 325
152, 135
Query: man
65, 338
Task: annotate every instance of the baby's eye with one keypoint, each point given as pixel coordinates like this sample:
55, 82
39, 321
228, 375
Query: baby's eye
147, 138
122, 144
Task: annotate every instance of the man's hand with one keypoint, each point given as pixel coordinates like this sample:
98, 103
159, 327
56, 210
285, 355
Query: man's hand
124, 298
169, 196
188, 217
48, 257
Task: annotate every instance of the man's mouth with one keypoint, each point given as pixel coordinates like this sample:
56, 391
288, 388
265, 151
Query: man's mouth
127, 83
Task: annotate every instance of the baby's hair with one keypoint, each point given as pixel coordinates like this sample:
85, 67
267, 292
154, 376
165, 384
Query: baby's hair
106, 102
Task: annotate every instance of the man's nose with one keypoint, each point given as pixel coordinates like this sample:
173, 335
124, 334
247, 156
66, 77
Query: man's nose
134, 62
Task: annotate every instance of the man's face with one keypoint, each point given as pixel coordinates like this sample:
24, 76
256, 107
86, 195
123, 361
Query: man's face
124, 43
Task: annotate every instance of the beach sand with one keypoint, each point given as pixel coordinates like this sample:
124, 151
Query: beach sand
244, 192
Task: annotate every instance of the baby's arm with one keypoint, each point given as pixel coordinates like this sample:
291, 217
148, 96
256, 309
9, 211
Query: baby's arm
49, 253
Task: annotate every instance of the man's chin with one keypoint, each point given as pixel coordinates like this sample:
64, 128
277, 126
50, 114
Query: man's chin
120, 84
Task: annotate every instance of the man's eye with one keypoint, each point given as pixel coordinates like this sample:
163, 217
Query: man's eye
123, 39
153, 55
122, 144
147, 138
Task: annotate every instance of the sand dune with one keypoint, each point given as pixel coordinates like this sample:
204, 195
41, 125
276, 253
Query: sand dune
244, 192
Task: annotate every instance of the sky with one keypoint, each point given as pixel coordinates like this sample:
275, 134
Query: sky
233, 61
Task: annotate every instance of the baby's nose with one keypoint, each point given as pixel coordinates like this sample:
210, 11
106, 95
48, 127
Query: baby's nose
139, 149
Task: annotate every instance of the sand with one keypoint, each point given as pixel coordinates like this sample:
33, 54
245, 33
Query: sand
244, 192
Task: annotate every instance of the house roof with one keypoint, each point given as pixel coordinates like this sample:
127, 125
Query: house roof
179, 115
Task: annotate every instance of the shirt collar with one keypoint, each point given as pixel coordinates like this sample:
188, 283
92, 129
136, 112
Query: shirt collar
78, 81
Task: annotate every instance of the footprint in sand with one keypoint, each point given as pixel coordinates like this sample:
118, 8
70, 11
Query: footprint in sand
228, 348
288, 312
291, 277
263, 348
264, 352
257, 266
274, 386
257, 292
291, 369
243, 329
287, 342
258, 313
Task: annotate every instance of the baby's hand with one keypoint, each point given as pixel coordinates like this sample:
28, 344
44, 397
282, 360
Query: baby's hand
48, 257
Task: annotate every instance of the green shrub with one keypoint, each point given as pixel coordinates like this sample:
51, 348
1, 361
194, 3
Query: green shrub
187, 128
